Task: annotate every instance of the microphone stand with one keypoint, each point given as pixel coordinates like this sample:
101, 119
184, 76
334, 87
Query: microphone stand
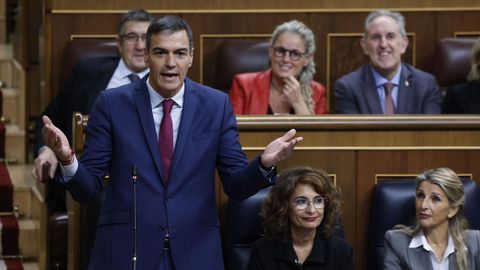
134, 179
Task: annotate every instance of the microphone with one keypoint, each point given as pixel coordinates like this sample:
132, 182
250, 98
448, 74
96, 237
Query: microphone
134, 179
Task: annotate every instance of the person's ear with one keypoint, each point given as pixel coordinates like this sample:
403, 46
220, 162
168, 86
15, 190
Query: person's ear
453, 211
404, 44
363, 44
191, 58
118, 41
270, 52
309, 59
146, 55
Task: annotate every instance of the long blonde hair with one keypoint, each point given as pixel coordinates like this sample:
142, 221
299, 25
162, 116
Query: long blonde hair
306, 75
449, 182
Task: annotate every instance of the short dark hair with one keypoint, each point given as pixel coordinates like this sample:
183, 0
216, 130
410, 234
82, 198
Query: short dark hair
276, 207
135, 15
169, 24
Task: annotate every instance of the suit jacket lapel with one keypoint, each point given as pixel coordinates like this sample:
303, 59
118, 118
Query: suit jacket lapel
190, 104
144, 109
262, 97
369, 88
420, 258
405, 91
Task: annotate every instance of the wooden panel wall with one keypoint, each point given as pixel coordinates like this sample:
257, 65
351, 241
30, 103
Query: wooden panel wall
337, 36
258, 4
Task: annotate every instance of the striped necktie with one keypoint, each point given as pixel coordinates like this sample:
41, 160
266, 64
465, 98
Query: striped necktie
389, 107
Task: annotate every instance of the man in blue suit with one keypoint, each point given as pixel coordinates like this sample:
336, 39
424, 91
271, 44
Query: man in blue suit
178, 224
386, 85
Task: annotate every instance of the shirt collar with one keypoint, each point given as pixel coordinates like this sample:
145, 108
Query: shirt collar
420, 240
123, 71
156, 99
380, 80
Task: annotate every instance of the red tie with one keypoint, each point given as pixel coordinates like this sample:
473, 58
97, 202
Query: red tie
165, 138
389, 109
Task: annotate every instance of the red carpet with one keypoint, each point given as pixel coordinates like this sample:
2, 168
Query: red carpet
2, 140
9, 234
11, 264
8, 224
6, 190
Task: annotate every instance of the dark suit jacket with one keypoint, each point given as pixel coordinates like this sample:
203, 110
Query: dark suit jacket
89, 77
463, 98
332, 253
398, 256
121, 133
356, 93
250, 93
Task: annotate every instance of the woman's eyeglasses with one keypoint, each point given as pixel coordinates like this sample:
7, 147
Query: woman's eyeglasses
295, 55
302, 203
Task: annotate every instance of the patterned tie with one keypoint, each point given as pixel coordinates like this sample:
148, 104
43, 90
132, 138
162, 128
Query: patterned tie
133, 77
389, 109
165, 138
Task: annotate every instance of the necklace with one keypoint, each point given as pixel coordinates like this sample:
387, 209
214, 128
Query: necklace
439, 245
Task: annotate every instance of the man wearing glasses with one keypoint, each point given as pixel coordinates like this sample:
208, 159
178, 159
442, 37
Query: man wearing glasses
287, 87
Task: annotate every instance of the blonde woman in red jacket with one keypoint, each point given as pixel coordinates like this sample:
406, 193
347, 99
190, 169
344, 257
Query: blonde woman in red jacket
287, 87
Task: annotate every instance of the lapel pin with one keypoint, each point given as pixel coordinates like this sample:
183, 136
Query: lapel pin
407, 84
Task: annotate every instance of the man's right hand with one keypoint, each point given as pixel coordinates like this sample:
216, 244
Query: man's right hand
45, 165
54, 138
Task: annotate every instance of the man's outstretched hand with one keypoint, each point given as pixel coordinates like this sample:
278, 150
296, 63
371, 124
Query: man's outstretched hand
280, 148
57, 141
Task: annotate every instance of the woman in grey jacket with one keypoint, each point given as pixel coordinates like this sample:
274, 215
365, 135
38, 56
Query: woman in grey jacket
440, 239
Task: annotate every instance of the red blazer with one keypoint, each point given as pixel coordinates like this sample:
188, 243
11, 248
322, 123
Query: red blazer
250, 93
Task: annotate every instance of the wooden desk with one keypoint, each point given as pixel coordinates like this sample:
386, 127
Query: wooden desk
357, 150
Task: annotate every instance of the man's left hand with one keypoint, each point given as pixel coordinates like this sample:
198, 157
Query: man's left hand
280, 148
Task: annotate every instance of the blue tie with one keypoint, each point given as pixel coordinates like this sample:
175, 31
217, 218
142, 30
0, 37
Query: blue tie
133, 77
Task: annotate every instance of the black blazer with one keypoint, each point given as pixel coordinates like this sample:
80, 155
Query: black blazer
463, 98
331, 253
89, 77
356, 93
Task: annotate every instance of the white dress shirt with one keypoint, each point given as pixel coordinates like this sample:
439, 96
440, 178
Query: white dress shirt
120, 75
420, 240
380, 81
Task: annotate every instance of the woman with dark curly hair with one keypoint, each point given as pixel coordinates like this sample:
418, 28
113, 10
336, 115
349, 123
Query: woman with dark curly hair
300, 214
